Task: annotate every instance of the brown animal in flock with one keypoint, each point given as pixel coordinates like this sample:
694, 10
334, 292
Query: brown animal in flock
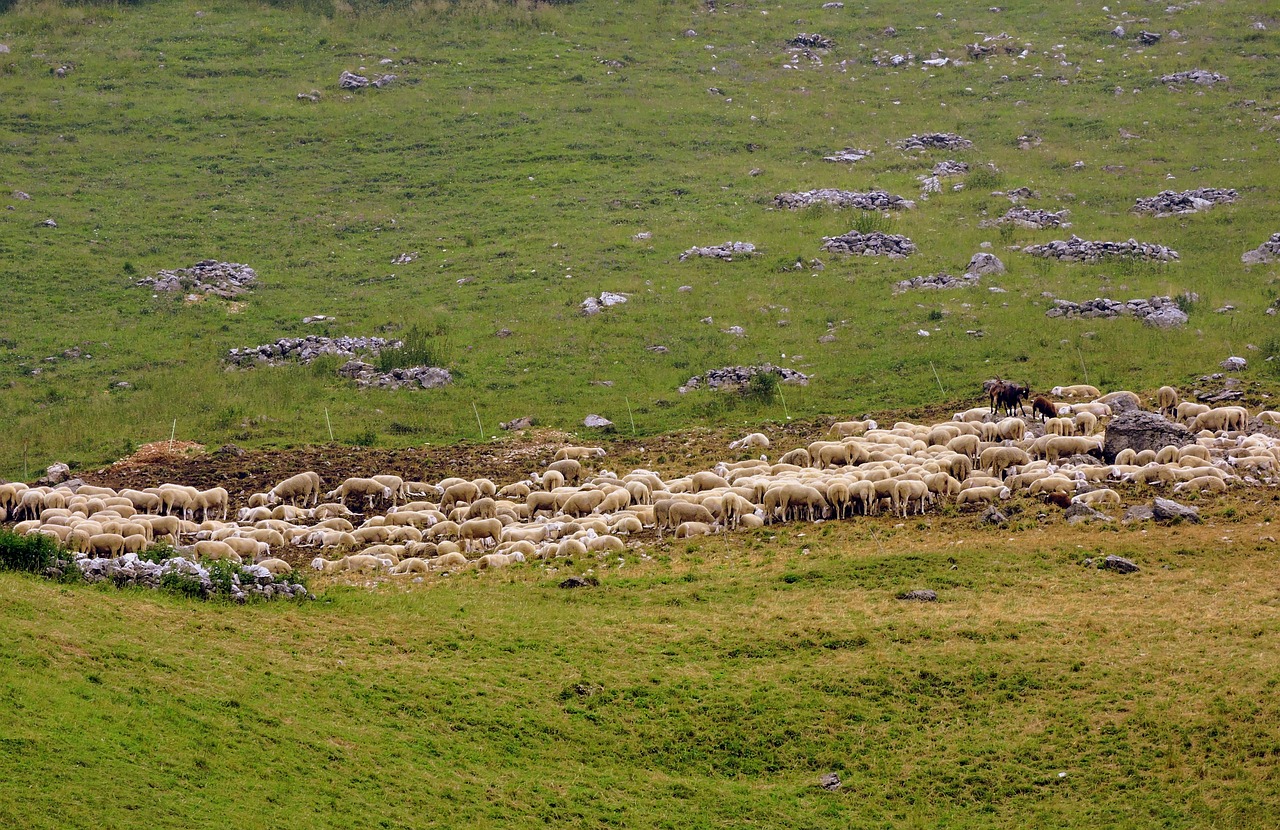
1005, 395
1043, 407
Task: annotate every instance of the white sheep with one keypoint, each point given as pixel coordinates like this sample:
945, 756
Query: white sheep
756, 440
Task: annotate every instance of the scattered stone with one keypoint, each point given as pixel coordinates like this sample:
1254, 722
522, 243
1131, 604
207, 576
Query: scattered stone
827, 338
1268, 251
48, 223
580, 582
643, 235
831, 781
1118, 32
874, 200
416, 377
657, 349
1101, 307
1076, 249
385, 81
1138, 513
502, 333
850, 155
133, 572
312, 97
919, 595
227, 280
736, 377
4, 49
1140, 430
1171, 203
1148, 38
1079, 512
517, 423
25, 197
594, 305
1234, 364
934, 141
736, 331
597, 421
984, 264
945, 169
1195, 76
993, 517
318, 318
726, 252
876, 243
307, 349
1166, 318
231, 450
940, 282
811, 41
936, 63
1026, 217
1119, 564
405, 258
1167, 509
349, 80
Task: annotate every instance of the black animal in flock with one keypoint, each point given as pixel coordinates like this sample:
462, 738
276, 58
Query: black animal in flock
1006, 396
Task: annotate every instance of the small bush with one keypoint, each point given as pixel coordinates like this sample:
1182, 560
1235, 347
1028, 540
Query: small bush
365, 439
762, 388
985, 177
423, 346
31, 553
869, 221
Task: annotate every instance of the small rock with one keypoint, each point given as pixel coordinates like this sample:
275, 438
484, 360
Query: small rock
920, 595
1078, 512
993, 517
1119, 565
580, 582
831, 781
349, 80
1167, 509
25, 197
1138, 513
48, 223
982, 264
517, 423
56, 473
1234, 364
597, 421
502, 333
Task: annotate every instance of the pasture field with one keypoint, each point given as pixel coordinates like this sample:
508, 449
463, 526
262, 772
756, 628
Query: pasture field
710, 685
523, 149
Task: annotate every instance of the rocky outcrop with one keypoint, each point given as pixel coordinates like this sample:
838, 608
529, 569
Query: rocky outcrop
735, 377
848, 155
811, 41
1194, 76
595, 305
934, 141
876, 243
1268, 251
243, 583
307, 349
726, 251
1172, 203
1076, 249
1103, 307
1140, 430
1025, 217
415, 377
208, 276
874, 200
938, 282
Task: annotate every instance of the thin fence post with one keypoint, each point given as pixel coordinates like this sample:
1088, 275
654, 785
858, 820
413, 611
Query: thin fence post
328, 423
631, 417
478, 424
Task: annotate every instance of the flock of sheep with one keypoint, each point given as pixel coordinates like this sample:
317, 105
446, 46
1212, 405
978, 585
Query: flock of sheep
385, 522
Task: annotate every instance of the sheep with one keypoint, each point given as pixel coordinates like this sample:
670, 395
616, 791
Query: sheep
1059, 426
366, 487
498, 560
395, 483
687, 530
1061, 445
844, 429
1130, 399
1222, 419
361, 563
1085, 422
579, 453
570, 468
1167, 401
1097, 498
462, 491
995, 460
756, 440
278, 567
1053, 484
480, 530
604, 543
412, 565
907, 491
1076, 391
1188, 410
246, 548
568, 548
582, 503
449, 559
1270, 417
211, 549
981, 495
799, 457
1200, 484
306, 486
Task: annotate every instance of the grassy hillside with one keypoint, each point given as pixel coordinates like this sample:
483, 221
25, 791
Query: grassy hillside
1035, 692
521, 151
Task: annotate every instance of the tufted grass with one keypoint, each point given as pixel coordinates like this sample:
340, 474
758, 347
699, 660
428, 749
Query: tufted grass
655, 701
510, 156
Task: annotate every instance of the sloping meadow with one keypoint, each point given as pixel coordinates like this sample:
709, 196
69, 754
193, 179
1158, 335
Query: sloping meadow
529, 157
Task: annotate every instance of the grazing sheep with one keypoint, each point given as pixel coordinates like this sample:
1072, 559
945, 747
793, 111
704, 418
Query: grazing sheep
1188, 410
1098, 498
211, 549
498, 560
981, 495
570, 468
605, 543
450, 559
412, 565
579, 453
756, 440
306, 486
278, 567
480, 530
462, 491
845, 429
1222, 419
1167, 401
367, 488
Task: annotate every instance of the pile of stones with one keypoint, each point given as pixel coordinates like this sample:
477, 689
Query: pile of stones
942, 282
1026, 217
876, 243
350, 80
367, 375
1194, 76
1266, 252
1076, 249
307, 349
1173, 203
133, 572
874, 200
811, 41
934, 141
735, 377
950, 167
727, 251
208, 276
849, 154
1160, 312
595, 305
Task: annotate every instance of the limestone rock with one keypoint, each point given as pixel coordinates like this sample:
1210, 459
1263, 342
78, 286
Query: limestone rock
1172, 203
1076, 249
726, 251
919, 595
875, 243
350, 80
597, 421
517, 423
1166, 509
982, 264
1268, 251
1139, 430
934, 141
872, 200
1119, 564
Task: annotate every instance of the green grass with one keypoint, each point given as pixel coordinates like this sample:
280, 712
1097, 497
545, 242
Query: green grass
510, 156
499, 700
